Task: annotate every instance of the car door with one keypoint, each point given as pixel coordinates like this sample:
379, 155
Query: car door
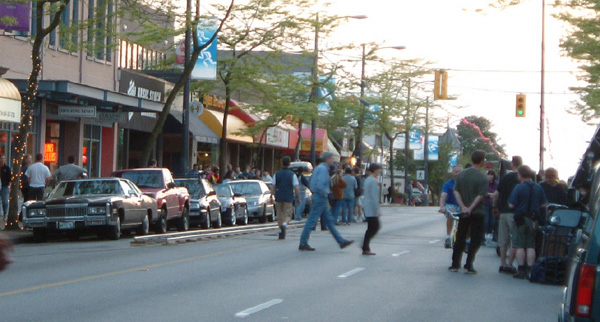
132, 202
211, 197
170, 196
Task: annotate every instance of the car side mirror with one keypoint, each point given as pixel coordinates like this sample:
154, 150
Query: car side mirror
569, 218
212, 193
573, 195
171, 185
237, 194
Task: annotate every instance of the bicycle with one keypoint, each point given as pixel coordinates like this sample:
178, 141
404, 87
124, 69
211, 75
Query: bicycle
456, 214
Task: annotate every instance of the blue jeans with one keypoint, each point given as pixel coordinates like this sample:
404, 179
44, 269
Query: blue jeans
348, 210
320, 206
4, 192
300, 207
337, 208
489, 222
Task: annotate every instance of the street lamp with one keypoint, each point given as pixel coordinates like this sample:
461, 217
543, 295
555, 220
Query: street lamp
361, 120
313, 94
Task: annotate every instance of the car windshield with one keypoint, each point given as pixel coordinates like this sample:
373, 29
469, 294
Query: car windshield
223, 190
144, 179
246, 188
93, 187
194, 187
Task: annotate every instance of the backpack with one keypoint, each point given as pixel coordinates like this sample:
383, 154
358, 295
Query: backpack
359, 187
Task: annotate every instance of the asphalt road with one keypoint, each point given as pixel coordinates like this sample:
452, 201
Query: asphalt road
259, 278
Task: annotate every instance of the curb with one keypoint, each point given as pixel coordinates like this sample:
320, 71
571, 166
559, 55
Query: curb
18, 237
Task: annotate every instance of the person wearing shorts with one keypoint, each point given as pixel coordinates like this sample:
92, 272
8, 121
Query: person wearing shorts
285, 183
506, 222
526, 199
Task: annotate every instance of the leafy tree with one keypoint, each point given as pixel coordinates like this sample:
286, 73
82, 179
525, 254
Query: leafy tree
45, 8
475, 133
582, 44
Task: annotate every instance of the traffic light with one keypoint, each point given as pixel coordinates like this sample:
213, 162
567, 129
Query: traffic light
440, 85
521, 105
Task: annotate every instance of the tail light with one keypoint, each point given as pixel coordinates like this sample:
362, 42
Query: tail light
585, 290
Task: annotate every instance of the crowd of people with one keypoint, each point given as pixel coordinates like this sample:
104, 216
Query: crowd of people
507, 210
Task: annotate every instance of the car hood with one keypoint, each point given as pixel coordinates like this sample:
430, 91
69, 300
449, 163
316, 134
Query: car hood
78, 200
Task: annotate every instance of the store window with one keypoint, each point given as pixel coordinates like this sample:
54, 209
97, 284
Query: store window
52, 145
92, 140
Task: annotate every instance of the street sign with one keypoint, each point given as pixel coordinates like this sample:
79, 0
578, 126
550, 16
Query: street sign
420, 175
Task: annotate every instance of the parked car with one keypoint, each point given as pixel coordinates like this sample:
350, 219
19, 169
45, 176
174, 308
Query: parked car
582, 291
306, 169
172, 202
106, 206
205, 205
258, 197
234, 207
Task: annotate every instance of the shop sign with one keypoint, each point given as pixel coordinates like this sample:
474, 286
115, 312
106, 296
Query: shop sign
205, 139
278, 137
108, 117
19, 11
50, 152
10, 110
214, 101
77, 111
141, 86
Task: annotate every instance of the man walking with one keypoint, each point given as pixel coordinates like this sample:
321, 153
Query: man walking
285, 183
506, 222
470, 189
526, 200
372, 207
320, 185
69, 171
5, 176
448, 203
38, 175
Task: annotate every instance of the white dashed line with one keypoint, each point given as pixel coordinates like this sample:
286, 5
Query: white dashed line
352, 272
401, 253
258, 308
434, 241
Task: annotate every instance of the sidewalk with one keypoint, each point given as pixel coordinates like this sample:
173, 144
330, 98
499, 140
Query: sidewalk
16, 236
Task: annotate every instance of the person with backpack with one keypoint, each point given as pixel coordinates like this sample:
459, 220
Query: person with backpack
526, 200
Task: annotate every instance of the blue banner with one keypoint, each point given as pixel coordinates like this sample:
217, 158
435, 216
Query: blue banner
206, 65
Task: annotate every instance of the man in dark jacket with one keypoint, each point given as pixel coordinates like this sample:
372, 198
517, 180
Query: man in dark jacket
285, 183
6, 176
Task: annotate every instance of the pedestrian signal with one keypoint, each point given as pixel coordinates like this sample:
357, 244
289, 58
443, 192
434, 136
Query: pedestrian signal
520, 105
440, 85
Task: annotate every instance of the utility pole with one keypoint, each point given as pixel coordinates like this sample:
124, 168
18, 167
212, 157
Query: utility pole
543, 71
426, 153
313, 94
407, 189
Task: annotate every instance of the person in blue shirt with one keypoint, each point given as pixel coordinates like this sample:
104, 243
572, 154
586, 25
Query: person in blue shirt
526, 200
448, 203
320, 185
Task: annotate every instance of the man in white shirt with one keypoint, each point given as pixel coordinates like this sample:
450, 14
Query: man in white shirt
38, 175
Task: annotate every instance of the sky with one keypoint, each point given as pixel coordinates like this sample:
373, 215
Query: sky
491, 55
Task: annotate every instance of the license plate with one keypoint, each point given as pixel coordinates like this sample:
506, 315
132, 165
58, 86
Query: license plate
66, 225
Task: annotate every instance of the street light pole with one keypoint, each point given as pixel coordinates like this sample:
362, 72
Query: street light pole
186, 92
542, 109
313, 95
426, 153
407, 189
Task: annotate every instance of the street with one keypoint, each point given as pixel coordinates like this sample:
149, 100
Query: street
260, 278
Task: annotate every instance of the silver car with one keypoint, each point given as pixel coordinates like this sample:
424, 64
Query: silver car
259, 199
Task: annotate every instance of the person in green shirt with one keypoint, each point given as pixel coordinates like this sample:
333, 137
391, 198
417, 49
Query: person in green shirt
470, 190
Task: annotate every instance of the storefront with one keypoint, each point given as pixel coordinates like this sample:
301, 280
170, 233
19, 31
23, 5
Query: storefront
10, 114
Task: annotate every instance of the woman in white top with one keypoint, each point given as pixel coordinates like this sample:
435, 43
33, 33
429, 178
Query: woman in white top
371, 206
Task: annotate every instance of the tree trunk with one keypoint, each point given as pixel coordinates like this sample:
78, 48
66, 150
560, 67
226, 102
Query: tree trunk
223, 142
299, 143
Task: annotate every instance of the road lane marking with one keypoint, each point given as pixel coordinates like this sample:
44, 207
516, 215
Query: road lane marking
258, 308
401, 253
130, 270
352, 272
434, 241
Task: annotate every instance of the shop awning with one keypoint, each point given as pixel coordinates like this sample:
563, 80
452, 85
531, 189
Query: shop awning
201, 131
214, 121
10, 102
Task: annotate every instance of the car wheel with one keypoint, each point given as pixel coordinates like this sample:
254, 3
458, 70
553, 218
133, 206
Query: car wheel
272, 215
244, 220
144, 229
219, 222
161, 223
183, 223
233, 218
40, 235
206, 223
114, 232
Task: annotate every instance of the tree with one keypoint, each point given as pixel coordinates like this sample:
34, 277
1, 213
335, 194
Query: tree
187, 71
475, 133
43, 7
582, 44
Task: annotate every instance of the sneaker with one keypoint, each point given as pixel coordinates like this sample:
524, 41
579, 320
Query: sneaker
520, 275
507, 270
452, 269
346, 244
447, 243
305, 248
366, 252
471, 271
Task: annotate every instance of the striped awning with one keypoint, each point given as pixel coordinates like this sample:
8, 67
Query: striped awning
10, 102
